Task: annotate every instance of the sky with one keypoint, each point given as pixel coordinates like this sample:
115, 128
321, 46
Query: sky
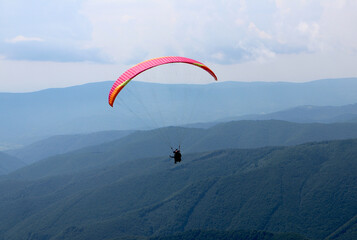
59, 43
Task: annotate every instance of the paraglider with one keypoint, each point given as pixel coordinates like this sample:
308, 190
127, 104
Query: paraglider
177, 154
134, 71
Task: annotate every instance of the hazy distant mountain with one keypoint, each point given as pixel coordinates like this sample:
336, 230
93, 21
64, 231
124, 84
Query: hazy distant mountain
64, 143
9, 163
308, 189
83, 109
310, 114
145, 144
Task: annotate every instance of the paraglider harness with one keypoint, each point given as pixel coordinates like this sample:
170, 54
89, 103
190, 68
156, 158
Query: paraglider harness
177, 154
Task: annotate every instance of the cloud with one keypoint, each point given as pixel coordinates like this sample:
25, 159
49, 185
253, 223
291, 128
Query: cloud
21, 38
260, 33
268, 40
138, 30
128, 31
337, 24
41, 30
35, 50
157, 28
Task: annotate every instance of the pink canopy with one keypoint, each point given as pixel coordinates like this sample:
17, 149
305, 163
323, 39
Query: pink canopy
132, 72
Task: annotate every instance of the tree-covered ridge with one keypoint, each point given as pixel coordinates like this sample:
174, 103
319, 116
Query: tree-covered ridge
307, 189
9, 163
145, 144
60, 144
230, 235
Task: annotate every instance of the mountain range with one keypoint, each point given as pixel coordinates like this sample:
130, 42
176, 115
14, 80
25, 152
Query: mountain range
28, 117
151, 143
63, 143
307, 189
262, 161
309, 114
9, 163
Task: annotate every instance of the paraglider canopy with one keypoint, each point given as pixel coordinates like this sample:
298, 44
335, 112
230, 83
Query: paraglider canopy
132, 72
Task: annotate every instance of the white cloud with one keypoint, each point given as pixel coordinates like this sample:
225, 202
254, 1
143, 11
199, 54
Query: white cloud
39, 27
165, 27
239, 22
260, 33
219, 56
247, 35
313, 37
290, 68
21, 38
338, 23
128, 31
127, 18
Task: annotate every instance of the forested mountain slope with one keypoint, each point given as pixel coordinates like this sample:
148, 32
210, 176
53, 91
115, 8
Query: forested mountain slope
145, 144
308, 189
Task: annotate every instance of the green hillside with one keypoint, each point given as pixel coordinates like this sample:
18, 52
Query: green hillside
308, 189
230, 235
144, 144
9, 163
64, 143
252, 134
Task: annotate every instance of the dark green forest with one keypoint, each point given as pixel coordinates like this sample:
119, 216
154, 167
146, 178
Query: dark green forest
9, 163
309, 189
144, 144
230, 235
